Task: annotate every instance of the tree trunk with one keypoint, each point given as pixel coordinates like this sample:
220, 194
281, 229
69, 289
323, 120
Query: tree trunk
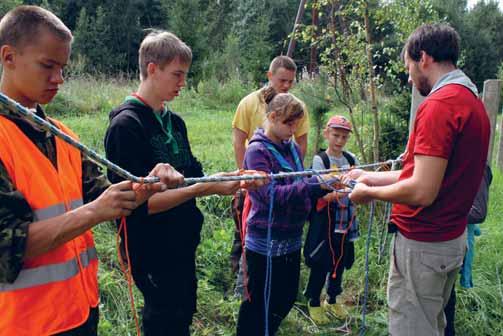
317, 137
373, 98
314, 49
346, 89
300, 13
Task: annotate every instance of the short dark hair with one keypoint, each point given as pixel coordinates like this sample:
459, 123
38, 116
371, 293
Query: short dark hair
19, 26
439, 40
282, 62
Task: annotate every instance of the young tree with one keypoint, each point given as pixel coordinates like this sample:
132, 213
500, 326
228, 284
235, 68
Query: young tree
350, 42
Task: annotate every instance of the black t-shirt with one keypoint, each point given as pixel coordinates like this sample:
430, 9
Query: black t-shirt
136, 141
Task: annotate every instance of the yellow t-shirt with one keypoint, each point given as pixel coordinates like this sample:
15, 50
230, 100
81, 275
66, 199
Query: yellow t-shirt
250, 115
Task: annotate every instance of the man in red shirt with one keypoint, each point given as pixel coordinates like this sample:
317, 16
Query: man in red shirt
432, 195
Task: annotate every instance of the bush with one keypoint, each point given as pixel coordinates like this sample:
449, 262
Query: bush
317, 94
393, 123
223, 95
90, 95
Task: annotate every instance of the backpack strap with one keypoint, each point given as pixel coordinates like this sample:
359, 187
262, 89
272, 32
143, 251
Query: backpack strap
324, 157
326, 161
349, 157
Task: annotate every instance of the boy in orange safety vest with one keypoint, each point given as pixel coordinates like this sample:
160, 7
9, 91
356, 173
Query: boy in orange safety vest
50, 195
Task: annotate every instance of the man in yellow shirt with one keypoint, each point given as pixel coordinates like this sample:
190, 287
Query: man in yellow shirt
250, 115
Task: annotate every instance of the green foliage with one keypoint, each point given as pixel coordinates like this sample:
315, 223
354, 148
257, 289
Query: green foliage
343, 42
395, 21
479, 310
394, 130
90, 44
481, 38
484, 46
224, 65
7, 5
90, 96
246, 35
226, 94
318, 95
252, 26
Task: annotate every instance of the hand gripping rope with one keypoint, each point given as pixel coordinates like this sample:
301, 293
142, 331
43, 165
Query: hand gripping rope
17, 109
14, 108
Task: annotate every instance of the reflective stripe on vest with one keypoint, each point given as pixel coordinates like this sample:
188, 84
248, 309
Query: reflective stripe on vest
56, 210
51, 273
55, 290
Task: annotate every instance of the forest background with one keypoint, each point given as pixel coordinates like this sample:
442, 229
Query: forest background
348, 53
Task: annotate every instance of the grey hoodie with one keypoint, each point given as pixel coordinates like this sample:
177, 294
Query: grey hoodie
455, 77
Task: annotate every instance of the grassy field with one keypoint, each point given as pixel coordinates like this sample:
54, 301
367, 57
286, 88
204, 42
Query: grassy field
84, 105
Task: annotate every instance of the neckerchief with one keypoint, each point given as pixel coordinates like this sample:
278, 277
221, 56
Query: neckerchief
163, 117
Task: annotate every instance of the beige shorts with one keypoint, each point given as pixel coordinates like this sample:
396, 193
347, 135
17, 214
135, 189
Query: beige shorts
420, 281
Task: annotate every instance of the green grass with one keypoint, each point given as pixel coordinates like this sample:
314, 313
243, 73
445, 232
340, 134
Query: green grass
84, 105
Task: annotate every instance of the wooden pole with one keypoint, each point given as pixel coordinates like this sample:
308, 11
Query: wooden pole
492, 98
314, 49
373, 97
416, 100
300, 13
500, 149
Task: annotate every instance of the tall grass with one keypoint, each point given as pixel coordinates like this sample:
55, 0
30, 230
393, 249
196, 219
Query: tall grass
84, 104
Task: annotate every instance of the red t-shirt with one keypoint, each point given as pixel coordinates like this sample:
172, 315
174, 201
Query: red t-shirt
452, 124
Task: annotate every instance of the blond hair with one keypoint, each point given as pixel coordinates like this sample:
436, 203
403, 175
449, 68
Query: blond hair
20, 25
285, 105
161, 48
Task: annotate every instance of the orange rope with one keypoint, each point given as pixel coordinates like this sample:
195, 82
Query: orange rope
241, 223
127, 271
334, 273
330, 238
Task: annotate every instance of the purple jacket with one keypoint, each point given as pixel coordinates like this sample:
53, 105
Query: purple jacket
292, 198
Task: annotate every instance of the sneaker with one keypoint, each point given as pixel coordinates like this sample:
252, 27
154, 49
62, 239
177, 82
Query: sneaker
336, 309
318, 314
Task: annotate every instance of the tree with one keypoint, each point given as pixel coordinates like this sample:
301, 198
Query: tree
481, 39
252, 27
483, 48
7, 5
350, 42
91, 35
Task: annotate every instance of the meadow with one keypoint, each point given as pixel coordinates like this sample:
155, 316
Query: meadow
84, 103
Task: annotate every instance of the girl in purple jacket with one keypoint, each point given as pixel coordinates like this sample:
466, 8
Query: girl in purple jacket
273, 260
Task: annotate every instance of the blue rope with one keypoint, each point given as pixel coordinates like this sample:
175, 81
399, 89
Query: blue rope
268, 274
367, 249
268, 271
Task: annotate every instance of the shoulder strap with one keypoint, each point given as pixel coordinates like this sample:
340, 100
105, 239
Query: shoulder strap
478, 211
281, 159
324, 157
349, 157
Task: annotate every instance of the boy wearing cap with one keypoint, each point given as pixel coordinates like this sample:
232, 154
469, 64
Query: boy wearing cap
333, 228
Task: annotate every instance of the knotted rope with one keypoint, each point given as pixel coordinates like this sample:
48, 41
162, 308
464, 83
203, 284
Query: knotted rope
17, 109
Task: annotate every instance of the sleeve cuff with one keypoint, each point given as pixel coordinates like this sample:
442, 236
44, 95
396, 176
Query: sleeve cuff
314, 188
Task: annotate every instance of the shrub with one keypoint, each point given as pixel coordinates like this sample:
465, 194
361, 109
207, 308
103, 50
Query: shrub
224, 95
393, 123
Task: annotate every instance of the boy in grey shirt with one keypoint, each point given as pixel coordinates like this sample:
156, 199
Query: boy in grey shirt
333, 227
